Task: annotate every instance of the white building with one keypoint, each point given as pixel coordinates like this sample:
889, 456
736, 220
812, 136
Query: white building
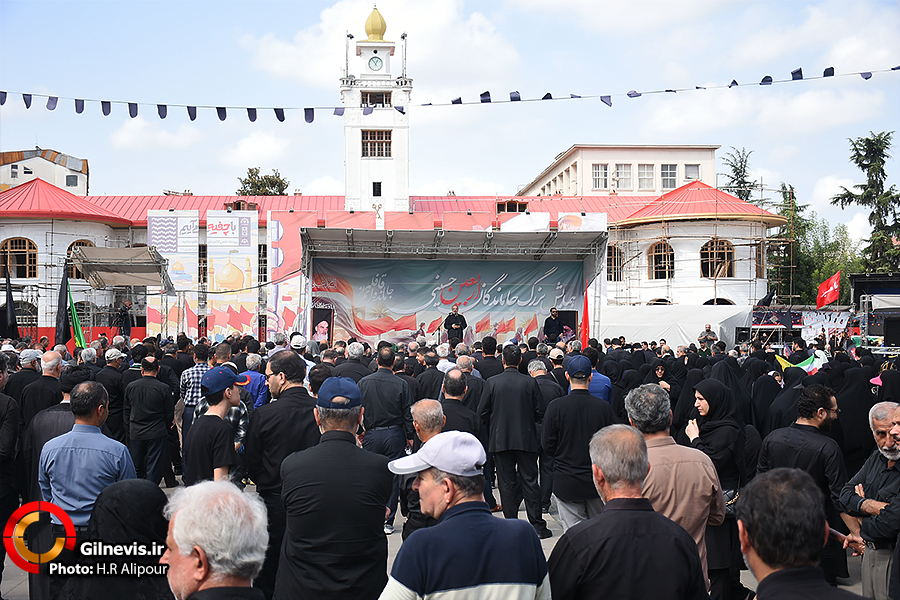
376, 126
594, 170
62, 170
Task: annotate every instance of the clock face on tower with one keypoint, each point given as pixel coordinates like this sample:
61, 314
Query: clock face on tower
375, 63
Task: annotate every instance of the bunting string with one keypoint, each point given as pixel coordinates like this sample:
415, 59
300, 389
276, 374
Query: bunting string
309, 112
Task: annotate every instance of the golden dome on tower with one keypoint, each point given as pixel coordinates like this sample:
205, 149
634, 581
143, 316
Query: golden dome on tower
375, 26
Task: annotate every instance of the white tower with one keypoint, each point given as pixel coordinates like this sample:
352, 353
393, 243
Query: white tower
376, 125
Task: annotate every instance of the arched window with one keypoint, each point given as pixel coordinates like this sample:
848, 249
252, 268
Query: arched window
719, 301
20, 255
614, 263
717, 259
26, 313
73, 272
661, 261
659, 301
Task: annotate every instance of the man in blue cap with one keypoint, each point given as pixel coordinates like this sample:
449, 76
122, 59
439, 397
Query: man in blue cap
336, 496
569, 423
209, 444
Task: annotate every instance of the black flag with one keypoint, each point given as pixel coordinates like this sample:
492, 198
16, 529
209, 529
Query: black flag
63, 325
9, 327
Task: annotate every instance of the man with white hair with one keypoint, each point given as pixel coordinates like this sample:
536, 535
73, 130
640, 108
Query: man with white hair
643, 553
873, 497
444, 363
257, 387
353, 366
280, 343
44, 392
88, 358
29, 361
217, 539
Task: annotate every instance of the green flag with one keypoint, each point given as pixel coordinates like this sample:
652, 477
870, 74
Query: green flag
76, 324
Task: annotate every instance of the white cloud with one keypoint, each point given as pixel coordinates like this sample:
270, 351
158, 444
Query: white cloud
140, 134
324, 186
454, 48
825, 189
858, 227
817, 110
623, 15
256, 149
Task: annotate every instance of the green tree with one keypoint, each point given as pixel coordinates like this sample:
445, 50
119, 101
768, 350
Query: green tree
869, 154
255, 184
739, 184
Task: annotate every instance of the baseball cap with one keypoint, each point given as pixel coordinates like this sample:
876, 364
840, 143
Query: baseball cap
7, 348
556, 353
298, 342
113, 354
456, 452
29, 356
222, 378
579, 367
339, 387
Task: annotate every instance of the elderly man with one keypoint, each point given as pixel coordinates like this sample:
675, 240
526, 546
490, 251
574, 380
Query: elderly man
386, 400
29, 361
682, 483
430, 379
444, 362
216, 543
428, 419
281, 343
550, 391
335, 496
474, 383
489, 557
455, 323
643, 554
806, 445
88, 357
782, 528
873, 497
257, 387
44, 392
353, 367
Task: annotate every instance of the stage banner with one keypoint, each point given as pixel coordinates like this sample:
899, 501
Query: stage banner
176, 236
395, 300
232, 258
287, 304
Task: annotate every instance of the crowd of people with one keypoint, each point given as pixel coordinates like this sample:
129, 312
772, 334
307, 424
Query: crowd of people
669, 471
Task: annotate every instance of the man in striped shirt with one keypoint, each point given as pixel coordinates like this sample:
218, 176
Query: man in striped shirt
190, 386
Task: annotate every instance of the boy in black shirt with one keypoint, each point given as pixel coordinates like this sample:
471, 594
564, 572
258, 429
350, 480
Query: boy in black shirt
209, 446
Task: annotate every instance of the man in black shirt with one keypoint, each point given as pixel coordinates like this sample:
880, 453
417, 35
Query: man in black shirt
209, 444
489, 366
110, 377
353, 367
873, 496
781, 526
550, 390
431, 378
455, 323
805, 445
552, 327
149, 412
428, 420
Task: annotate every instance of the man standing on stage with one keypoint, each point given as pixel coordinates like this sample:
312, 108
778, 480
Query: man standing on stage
552, 326
455, 323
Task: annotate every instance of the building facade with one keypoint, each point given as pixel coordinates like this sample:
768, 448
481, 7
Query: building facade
62, 170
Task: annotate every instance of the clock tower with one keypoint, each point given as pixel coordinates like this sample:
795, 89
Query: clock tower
376, 123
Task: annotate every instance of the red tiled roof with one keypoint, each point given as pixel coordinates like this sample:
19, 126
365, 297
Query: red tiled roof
134, 208
616, 207
38, 199
697, 200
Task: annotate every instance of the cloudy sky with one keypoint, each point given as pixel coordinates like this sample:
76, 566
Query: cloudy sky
291, 54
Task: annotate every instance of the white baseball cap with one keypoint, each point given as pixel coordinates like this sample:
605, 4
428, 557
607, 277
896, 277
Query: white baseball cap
454, 452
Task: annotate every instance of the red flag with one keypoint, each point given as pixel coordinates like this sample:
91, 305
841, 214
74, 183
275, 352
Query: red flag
829, 290
407, 322
585, 321
506, 326
484, 324
532, 325
435, 325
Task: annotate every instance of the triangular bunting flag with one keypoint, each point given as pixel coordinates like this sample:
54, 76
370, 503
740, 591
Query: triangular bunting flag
866, 75
733, 83
547, 96
400, 109
767, 80
51, 102
105, 107
456, 101
607, 100
251, 114
279, 114
2, 98
339, 112
368, 110
634, 94
192, 112
133, 109
79, 106
26, 98
162, 110
829, 72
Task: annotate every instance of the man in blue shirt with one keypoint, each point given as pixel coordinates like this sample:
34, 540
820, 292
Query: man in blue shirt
600, 385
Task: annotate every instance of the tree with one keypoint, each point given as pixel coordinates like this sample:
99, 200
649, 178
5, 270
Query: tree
255, 184
869, 154
739, 184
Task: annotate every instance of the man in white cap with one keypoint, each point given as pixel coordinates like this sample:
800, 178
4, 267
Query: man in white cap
491, 557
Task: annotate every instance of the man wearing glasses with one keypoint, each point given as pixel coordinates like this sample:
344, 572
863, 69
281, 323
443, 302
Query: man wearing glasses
805, 445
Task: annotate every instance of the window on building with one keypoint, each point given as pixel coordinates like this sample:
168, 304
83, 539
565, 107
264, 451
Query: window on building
623, 177
26, 314
27, 171
263, 257
71, 180
691, 172
661, 261
512, 206
613, 264
759, 259
376, 144
20, 256
645, 177
73, 272
669, 175
717, 259
375, 99
13, 171
376, 189
600, 176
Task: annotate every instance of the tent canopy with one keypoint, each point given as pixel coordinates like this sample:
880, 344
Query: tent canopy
120, 267
676, 323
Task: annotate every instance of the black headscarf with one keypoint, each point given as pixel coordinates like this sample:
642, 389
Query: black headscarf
765, 390
684, 409
783, 410
721, 433
754, 368
630, 379
890, 386
724, 372
855, 399
125, 512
